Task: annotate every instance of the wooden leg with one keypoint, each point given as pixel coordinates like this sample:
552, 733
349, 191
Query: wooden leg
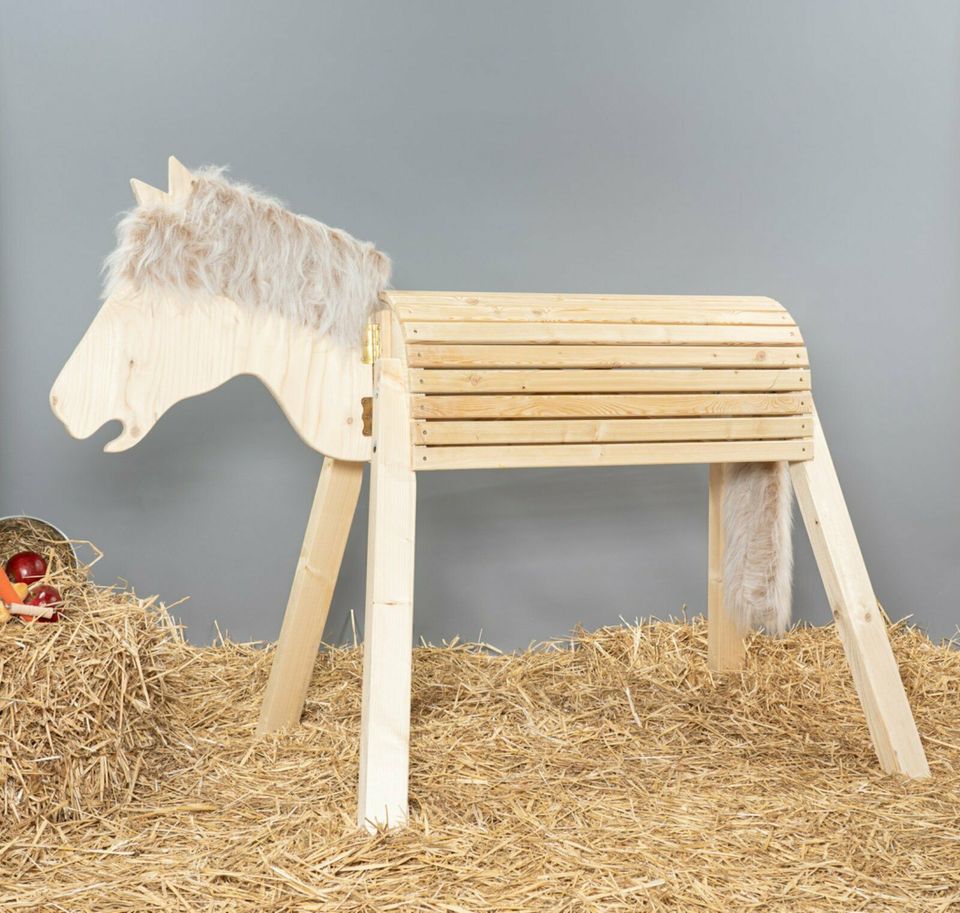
859, 622
725, 646
330, 517
388, 623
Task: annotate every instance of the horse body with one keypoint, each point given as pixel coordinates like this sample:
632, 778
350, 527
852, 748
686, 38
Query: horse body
211, 280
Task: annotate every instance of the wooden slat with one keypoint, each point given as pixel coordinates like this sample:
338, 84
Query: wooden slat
600, 405
590, 431
551, 301
647, 356
551, 380
426, 458
600, 334
594, 313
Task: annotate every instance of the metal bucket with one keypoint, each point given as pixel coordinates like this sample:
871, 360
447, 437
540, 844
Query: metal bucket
43, 531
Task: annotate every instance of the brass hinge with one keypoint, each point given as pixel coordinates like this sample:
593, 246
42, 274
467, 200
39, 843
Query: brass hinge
366, 410
371, 344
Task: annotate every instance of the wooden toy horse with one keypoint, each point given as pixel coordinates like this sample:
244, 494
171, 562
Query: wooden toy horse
211, 280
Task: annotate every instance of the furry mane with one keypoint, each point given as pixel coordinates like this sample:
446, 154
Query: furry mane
227, 239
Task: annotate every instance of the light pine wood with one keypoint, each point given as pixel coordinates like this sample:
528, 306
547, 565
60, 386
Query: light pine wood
533, 455
576, 380
179, 180
860, 623
546, 304
725, 643
388, 623
612, 405
331, 516
598, 312
441, 355
600, 333
145, 352
597, 431
179, 185
146, 195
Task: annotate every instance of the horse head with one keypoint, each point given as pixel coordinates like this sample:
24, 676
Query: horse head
211, 280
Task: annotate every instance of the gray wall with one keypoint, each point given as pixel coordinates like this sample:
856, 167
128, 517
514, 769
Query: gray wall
807, 151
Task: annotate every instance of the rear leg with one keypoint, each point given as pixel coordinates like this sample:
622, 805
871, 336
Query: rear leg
859, 621
725, 643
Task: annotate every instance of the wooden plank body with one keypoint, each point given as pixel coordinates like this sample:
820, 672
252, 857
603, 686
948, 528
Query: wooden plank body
508, 381
500, 380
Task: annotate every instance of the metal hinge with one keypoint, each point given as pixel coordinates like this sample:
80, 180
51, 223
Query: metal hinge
366, 411
371, 344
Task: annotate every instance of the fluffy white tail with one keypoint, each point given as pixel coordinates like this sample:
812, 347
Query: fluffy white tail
758, 562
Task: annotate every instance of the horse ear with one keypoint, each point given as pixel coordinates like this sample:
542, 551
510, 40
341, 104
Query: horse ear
145, 194
179, 179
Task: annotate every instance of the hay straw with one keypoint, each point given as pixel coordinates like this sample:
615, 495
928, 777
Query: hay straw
78, 699
610, 771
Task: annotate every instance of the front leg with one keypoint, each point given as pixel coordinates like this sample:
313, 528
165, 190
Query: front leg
323, 544
388, 622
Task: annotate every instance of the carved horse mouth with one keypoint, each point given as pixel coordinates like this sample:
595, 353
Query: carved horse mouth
81, 415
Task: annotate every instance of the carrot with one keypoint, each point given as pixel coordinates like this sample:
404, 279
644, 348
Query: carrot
7, 593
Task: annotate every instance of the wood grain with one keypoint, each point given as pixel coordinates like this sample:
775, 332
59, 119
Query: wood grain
331, 516
626, 380
725, 642
388, 621
544, 333
608, 405
145, 352
592, 431
442, 355
543, 455
859, 620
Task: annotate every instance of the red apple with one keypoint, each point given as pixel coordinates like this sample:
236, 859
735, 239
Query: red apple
26, 567
45, 595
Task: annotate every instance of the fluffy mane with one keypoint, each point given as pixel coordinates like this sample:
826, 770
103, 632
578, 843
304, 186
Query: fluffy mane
227, 239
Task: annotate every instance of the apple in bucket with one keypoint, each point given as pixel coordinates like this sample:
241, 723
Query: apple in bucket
26, 567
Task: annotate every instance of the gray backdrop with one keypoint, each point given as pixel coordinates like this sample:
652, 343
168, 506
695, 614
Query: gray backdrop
807, 151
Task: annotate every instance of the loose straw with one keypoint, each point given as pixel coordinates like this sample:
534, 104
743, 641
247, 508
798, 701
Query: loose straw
606, 772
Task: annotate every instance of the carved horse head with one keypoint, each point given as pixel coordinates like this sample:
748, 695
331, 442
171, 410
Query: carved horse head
211, 280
